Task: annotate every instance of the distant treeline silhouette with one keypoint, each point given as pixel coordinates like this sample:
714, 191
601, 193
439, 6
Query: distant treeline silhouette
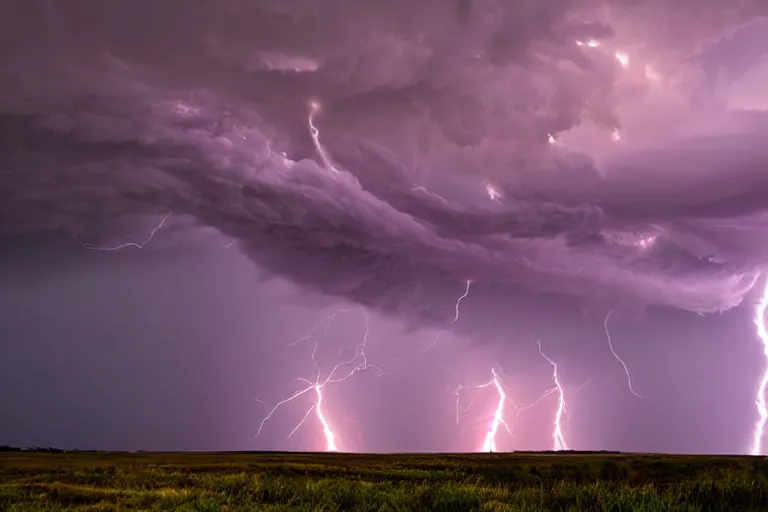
6, 448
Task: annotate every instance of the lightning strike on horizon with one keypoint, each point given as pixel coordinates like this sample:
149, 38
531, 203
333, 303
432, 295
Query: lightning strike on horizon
466, 292
139, 245
318, 385
619, 359
314, 108
557, 434
489, 444
760, 399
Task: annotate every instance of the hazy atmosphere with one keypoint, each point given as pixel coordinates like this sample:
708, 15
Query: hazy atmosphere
443, 225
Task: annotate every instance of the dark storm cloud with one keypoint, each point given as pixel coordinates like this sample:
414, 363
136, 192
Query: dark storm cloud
138, 108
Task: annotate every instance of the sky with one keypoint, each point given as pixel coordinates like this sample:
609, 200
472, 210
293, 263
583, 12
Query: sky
401, 213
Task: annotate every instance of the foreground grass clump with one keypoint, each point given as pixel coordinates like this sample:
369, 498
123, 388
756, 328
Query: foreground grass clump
335, 482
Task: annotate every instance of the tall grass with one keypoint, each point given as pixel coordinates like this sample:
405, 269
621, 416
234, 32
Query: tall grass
304, 482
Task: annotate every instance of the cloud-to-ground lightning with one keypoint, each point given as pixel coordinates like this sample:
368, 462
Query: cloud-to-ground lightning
489, 441
359, 360
504, 400
557, 433
463, 296
619, 359
489, 444
314, 108
760, 399
138, 245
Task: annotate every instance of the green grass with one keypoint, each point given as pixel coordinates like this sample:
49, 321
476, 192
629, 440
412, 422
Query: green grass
335, 482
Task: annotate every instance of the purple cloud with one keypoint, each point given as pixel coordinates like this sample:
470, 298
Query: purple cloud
122, 111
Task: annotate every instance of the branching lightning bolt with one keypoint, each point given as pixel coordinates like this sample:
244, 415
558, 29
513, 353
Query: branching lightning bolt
489, 442
463, 296
139, 245
314, 108
557, 434
489, 445
760, 399
615, 355
318, 385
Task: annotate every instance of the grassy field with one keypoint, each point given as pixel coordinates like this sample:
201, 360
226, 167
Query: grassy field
303, 481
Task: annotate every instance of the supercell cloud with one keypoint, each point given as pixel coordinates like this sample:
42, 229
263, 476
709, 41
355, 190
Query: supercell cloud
576, 147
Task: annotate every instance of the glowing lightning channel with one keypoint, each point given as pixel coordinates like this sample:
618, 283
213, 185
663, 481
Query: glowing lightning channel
330, 437
760, 399
489, 445
139, 245
493, 193
318, 385
314, 108
623, 59
466, 292
591, 43
620, 360
557, 434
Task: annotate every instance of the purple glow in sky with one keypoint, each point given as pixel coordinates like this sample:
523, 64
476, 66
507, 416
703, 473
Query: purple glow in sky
472, 175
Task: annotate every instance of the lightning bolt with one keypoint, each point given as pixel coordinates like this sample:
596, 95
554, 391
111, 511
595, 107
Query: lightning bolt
557, 434
489, 445
615, 355
623, 59
314, 108
359, 360
591, 43
463, 296
760, 399
493, 193
489, 442
139, 245
454, 320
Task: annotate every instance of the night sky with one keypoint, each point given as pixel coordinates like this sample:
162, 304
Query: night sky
207, 208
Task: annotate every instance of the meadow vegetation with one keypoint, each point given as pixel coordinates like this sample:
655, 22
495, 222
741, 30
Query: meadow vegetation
95, 481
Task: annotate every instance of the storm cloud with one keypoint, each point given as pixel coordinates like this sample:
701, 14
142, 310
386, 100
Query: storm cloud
114, 115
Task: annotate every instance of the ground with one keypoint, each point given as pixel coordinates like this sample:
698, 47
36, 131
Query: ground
80, 481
